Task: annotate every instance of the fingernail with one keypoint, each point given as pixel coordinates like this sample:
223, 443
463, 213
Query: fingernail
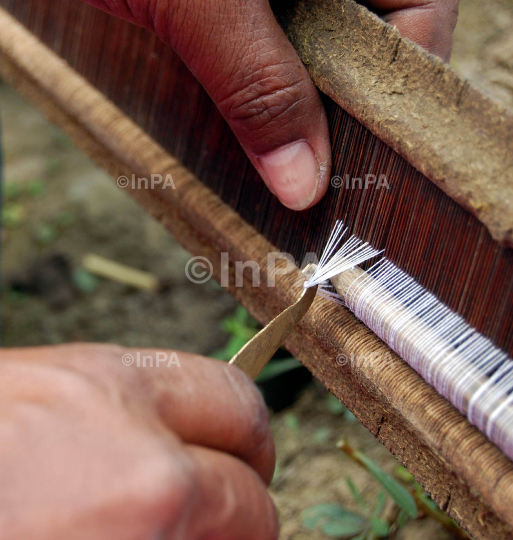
293, 174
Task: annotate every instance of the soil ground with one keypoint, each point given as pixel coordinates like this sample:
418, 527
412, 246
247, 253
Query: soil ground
58, 207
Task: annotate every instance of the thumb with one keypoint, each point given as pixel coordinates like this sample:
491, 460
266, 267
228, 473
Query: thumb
241, 56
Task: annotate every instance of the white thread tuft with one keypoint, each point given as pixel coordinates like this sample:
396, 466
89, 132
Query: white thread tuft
352, 253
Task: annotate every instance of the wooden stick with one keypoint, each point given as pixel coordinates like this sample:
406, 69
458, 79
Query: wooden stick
120, 273
253, 357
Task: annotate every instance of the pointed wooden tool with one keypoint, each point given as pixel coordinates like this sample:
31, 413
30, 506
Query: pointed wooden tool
253, 357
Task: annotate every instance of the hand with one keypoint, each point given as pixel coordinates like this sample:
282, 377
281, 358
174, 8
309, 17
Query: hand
241, 56
94, 449
430, 23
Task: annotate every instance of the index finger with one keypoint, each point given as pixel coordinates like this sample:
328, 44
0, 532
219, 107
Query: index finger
429, 23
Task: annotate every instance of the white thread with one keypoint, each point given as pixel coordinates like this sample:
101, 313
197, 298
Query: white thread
352, 253
462, 364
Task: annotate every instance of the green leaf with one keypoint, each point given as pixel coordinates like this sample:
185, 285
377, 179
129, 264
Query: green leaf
277, 367
13, 215
357, 496
234, 345
242, 316
379, 527
242, 328
45, 233
277, 471
426, 499
345, 527
398, 493
310, 523
380, 504
403, 474
350, 417
12, 190
234, 327
35, 188
335, 406
335, 520
402, 519
321, 435
220, 354
314, 515
292, 422
84, 281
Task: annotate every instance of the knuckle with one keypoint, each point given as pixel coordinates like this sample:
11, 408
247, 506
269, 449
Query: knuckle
266, 99
100, 367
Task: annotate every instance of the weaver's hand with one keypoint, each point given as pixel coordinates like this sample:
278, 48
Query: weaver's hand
95, 449
430, 23
239, 53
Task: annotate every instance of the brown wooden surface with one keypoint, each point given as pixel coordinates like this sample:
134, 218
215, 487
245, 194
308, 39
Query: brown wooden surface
422, 230
411, 100
466, 474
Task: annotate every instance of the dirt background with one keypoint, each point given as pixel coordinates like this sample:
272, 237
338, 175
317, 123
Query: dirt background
58, 207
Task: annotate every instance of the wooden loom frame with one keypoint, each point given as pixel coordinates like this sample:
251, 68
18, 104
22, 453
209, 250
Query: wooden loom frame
465, 473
